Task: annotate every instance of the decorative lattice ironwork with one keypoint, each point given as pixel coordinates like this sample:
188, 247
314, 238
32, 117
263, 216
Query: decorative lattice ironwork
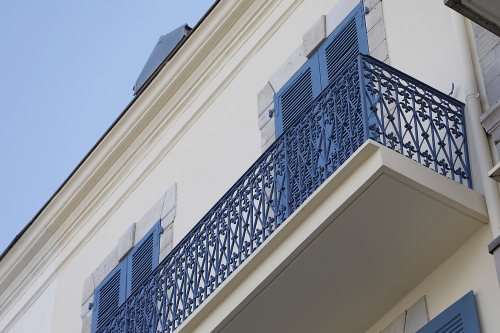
416, 120
368, 100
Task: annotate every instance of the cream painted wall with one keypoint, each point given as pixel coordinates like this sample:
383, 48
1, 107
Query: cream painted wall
38, 317
37, 300
214, 152
225, 140
421, 43
470, 268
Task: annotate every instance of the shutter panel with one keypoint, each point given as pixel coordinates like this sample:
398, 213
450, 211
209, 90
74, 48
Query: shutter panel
143, 259
297, 94
343, 45
338, 51
108, 296
461, 317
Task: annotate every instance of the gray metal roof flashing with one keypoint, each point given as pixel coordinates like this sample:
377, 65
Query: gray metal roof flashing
165, 46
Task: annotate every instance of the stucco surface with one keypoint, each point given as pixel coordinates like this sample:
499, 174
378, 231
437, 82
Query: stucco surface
38, 317
469, 268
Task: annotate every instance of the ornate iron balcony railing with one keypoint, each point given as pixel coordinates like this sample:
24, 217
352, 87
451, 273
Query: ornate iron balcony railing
368, 100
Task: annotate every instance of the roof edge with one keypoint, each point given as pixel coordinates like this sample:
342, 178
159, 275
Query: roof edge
138, 94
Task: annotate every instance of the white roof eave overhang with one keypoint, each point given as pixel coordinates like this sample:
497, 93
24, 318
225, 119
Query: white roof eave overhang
486, 13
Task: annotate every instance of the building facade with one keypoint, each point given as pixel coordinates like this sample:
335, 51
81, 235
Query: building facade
288, 165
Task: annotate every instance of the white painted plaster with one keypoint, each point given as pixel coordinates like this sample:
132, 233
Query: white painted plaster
38, 317
453, 279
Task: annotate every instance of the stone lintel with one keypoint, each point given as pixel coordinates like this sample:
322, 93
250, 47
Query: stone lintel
126, 242
148, 220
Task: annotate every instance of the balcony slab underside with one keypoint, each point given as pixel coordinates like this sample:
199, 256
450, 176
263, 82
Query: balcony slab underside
369, 235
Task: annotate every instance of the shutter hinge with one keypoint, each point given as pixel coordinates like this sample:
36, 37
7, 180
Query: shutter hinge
271, 112
91, 305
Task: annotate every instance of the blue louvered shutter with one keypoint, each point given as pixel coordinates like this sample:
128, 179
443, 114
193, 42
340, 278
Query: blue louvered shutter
337, 51
343, 45
108, 296
143, 259
297, 94
337, 57
461, 317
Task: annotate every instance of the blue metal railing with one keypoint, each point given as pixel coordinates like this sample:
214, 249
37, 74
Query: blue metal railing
368, 100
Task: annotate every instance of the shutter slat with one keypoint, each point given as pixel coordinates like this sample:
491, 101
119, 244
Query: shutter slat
460, 317
296, 99
143, 259
343, 45
342, 50
109, 295
297, 94
142, 262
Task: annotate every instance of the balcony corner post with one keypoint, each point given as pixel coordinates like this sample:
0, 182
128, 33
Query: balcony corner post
466, 149
286, 177
364, 107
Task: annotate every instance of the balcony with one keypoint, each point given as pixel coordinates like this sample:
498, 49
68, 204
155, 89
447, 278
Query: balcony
351, 207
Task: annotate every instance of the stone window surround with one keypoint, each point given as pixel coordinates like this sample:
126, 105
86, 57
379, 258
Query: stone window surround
411, 320
164, 209
311, 40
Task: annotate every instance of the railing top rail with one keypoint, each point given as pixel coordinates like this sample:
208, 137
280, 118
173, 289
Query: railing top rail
409, 78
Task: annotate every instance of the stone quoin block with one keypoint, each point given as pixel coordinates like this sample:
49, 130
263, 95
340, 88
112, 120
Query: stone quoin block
286, 71
88, 288
381, 52
170, 201
264, 117
376, 35
313, 38
397, 326
85, 307
267, 132
374, 16
264, 98
485, 42
416, 316
166, 237
106, 266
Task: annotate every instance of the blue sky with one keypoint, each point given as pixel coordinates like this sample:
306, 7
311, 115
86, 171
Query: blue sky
67, 69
